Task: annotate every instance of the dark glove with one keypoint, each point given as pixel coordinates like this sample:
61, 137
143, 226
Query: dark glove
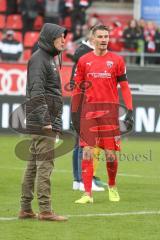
129, 121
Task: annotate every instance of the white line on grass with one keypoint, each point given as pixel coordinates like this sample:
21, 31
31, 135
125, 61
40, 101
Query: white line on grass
8, 219
130, 175
23, 168
69, 171
117, 214
98, 215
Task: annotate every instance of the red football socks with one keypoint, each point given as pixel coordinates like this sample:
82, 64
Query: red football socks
87, 174
112, 167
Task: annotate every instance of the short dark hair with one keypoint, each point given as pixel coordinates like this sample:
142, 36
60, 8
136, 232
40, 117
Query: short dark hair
100, 27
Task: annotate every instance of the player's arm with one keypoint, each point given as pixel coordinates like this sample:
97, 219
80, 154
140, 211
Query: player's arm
126, 93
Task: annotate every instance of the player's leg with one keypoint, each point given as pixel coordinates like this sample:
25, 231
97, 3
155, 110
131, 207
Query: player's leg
76, 167
45, 164
96, 152
97, 184
28, 185
112, 167
80, 157
87, 175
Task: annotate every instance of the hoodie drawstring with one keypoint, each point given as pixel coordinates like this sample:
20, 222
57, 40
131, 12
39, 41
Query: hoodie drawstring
60, 59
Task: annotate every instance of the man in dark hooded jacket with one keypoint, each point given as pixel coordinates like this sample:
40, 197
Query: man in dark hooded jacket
43, 121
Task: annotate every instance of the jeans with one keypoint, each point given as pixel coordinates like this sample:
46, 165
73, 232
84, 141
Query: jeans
77, 158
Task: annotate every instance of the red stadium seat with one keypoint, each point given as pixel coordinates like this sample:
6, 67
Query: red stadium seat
67, 22
26, 54
38, 23
30, 38
18, 36
3, 5
14, 21
2, 21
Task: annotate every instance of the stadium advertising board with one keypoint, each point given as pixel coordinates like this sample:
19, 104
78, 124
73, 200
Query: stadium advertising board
13, 79
150, 10
145, 96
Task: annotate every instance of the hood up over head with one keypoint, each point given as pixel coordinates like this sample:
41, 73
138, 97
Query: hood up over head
48, 34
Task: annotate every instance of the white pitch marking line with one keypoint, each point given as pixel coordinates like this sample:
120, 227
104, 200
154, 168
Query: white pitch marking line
23, 168
129, 175
69, 171
99, 215
117, 214
8, 219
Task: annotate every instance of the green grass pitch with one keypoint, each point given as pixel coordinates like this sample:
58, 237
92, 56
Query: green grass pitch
135, 217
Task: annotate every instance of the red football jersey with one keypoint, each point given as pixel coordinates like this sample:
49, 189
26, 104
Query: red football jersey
102, 74
96, 78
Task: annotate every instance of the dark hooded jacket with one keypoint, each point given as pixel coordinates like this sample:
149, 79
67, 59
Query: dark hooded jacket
43, 92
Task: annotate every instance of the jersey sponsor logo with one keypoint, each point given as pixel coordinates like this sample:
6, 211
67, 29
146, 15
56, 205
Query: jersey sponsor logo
99, 75
109, 64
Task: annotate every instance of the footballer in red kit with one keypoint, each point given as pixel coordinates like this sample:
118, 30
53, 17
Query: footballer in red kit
97, 77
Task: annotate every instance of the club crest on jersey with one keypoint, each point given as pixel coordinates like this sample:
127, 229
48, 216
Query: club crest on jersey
109, 64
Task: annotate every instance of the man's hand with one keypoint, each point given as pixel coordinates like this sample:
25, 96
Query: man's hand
47, 130
48, 127
129, 121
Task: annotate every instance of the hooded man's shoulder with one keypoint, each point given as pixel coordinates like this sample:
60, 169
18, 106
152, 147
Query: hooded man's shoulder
39, 58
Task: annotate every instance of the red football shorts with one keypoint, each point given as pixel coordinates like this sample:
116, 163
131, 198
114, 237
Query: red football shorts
100, 132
